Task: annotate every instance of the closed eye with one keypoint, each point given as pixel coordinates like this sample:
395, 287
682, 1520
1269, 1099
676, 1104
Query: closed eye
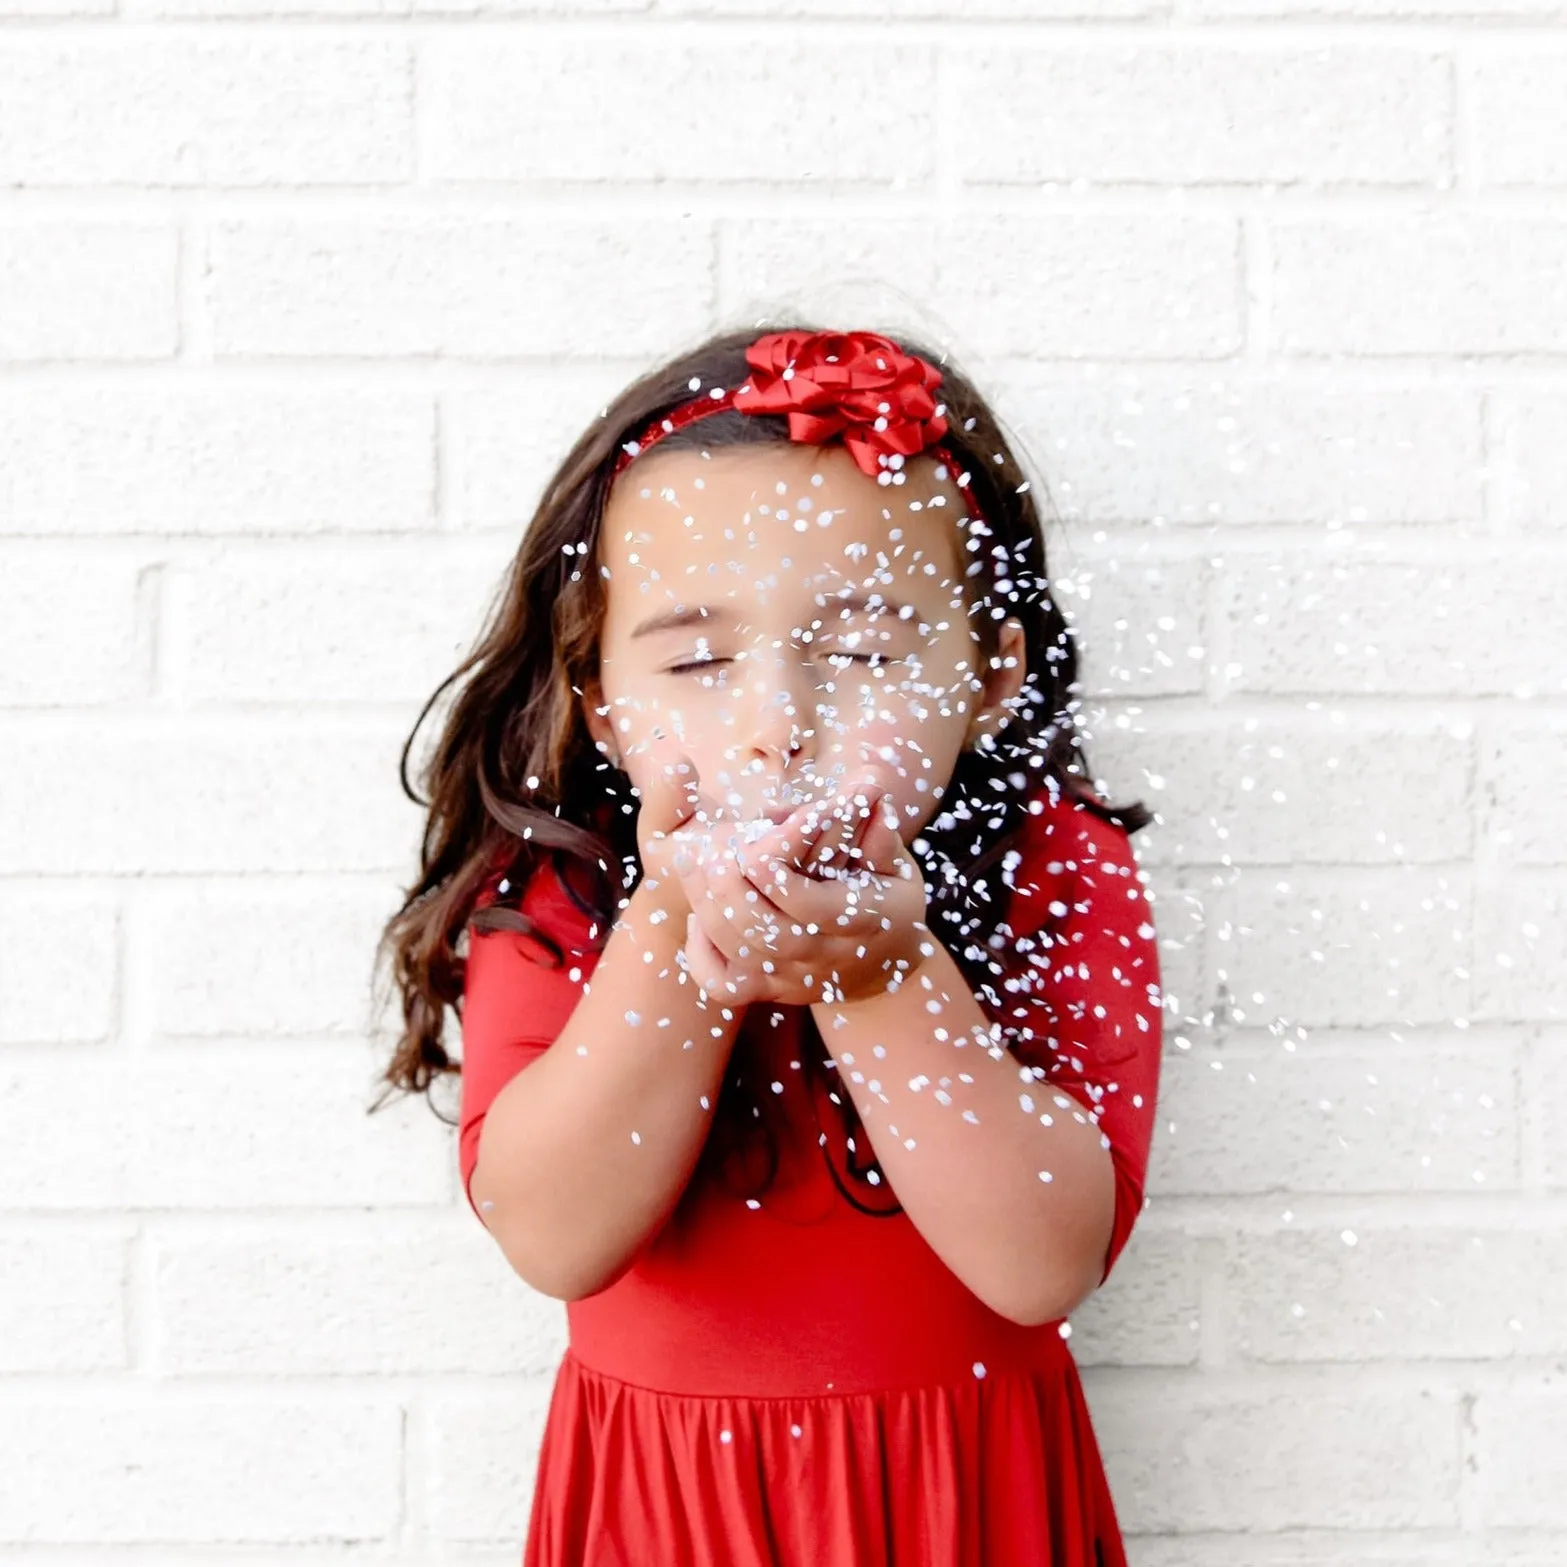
875, 660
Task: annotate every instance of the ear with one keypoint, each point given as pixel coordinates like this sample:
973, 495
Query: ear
599, 727
1002, 682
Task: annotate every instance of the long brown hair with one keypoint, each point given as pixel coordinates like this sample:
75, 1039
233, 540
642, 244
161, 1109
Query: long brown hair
515, 775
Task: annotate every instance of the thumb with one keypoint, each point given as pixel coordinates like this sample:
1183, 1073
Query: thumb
883, 847
672, 796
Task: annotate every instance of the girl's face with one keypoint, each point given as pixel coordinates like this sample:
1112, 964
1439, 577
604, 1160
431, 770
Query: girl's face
789, 624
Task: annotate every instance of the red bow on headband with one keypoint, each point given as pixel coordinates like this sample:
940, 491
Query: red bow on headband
857, 384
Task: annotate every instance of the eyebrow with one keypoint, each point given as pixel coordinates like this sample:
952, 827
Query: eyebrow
693, 614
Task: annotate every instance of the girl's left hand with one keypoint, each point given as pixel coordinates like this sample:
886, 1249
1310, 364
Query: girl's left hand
765, 927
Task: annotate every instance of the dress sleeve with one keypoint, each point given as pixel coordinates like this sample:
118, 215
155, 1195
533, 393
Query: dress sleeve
515, 1003
1081, 1000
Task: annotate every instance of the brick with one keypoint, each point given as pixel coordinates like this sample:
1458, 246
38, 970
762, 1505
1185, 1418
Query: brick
1104, 286
945, 10
792, 255
1247, 1463
1343, 1116
1429, 285
56, 8
1218, 116
1518, 1437
207, 1109
62, 1311
1483, 1293
240, 112
1459, 10
1272, 793
277, 622
1307, 622
461, 1309
461, 9
502, 445
209, 460
188, 797
1412, 1550
1517, 116
124, 1466
653, 108
1520, 938
1142, 445
1462, 1550
59, 968
102, 291
68, 631
1179, 903
69, 1140
482, 288
482, 1458
1520, 801
1340, 948
1546, 1073
1532, 461
187, 1129
1136, 623
264, 961
1129, 765
1144, 1315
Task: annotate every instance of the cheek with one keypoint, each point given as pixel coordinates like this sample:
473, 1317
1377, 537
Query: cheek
660, 733
907, 697
641, 728
907, 728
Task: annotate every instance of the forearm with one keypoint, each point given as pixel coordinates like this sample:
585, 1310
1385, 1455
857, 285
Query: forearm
584, 1154
963, 1137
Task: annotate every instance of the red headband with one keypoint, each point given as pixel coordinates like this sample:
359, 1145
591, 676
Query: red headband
857, 384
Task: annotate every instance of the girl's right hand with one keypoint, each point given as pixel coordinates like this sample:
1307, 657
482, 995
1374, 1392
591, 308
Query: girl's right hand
673, 807
828, 839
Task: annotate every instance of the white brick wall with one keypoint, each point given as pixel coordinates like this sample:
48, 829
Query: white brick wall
299, 300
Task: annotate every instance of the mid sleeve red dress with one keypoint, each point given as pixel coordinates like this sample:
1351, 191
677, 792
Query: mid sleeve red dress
791, 1381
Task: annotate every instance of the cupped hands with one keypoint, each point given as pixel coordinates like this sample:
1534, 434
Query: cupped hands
828, 905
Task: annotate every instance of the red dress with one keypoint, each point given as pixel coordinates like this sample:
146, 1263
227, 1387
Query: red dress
799, 1382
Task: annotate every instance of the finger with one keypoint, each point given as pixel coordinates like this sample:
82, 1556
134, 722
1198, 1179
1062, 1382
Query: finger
770, 876
669, 797
808, 836
867, 825
692, 873
706, 900
804, 900
882, 846
725, 979
852, 813
745, 923
796, 840
784, 885
703, 961
789, 843
743, 872
713, 904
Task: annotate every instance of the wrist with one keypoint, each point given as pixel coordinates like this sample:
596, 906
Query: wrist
897, 971
659, 904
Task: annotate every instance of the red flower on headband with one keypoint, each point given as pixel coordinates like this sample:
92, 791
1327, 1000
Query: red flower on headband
857, 384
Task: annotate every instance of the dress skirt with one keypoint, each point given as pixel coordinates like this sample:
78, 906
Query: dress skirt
999, 1469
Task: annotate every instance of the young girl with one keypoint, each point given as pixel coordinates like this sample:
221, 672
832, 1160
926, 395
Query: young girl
810, 1005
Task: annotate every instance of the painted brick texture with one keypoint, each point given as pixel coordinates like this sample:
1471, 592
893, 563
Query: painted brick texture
300, 301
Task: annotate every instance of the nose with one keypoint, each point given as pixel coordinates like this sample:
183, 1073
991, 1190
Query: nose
779, 711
